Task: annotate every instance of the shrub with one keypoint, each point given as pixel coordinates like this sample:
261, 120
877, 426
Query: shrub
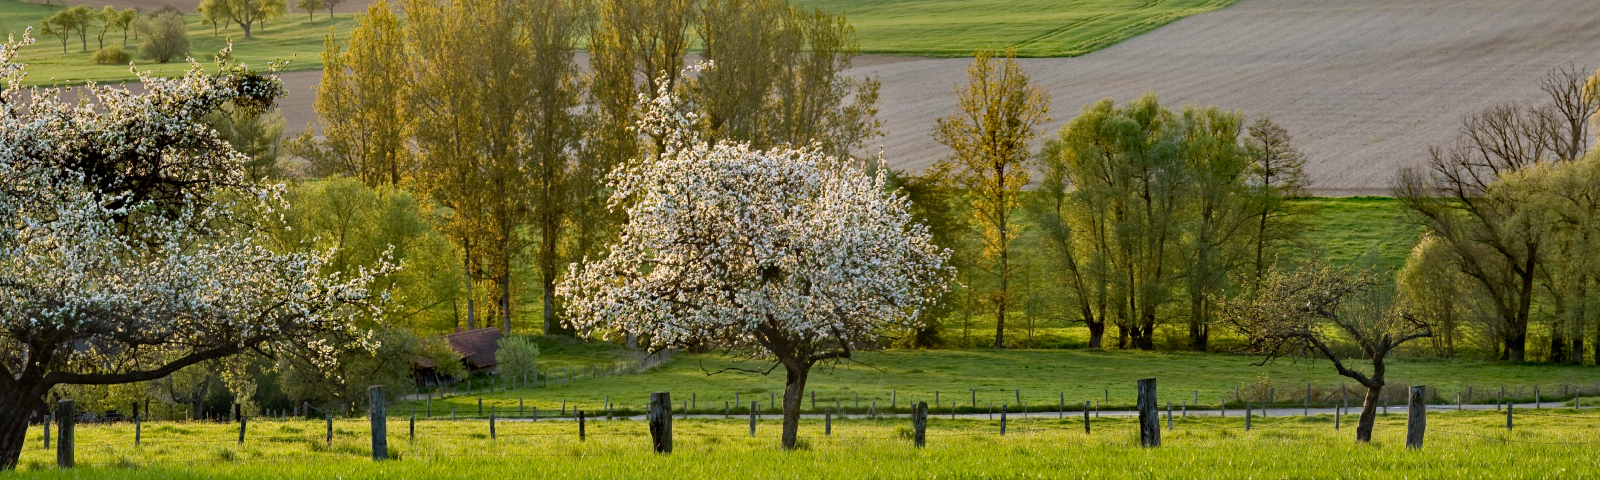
168, 38
518, 358
112, 55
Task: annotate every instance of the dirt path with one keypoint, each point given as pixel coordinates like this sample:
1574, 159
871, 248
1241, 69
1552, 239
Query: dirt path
1365, 86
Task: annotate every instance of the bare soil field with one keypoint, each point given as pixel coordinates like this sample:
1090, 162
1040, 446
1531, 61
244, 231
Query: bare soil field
1365, 86
192, 6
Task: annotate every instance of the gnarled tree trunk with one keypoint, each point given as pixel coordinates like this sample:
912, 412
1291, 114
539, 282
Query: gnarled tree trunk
793, 389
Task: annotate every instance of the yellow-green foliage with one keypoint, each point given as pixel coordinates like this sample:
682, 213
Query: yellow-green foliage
518, 358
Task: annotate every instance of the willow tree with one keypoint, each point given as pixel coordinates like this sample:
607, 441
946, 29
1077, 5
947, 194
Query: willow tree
784, 254
998, 114
1490, 238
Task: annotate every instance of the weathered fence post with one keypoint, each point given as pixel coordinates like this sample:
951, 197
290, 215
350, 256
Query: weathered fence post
138, 425
1247, 416
1536, 400
1061, 409
974, 399
1085, 417
1508, 416
1336, 412
480, 405
753, 406
827, 423
491, 423
694, 400
813, 400
65, 420
1169, 416
242, 422
411, 429
329, 437
919, 422
47, 421
1149, 420
660, 418
582, 435
894, 399
1417, 418
1498, 399
380, 423
1002, 420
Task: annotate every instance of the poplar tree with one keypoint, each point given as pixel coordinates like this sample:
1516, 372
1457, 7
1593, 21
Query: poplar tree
361, 104
999, 113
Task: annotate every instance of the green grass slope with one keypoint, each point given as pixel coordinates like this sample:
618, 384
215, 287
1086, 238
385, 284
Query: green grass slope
1041, 376
1038, 28
293, 37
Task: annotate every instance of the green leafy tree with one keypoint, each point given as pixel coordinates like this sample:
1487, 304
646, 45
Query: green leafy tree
258, 135
68, 20
518, 357
999, 113
310, 7
361, 104
246, 13
168, 38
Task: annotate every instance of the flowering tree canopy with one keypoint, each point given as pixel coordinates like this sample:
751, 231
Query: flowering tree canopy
120, 261
786, 253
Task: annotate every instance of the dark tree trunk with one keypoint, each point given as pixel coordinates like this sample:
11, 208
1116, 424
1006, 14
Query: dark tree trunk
1517, 346
1369, 413
793, 390
1097, 334
14, 416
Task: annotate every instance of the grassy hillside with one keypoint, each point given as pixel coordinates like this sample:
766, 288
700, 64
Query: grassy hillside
1042, 376
292, 37
1038, 28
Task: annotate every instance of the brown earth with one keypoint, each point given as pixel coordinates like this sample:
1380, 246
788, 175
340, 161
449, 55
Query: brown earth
189, 6
1365, 86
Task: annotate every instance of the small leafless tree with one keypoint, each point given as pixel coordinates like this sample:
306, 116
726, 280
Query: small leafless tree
1301, 312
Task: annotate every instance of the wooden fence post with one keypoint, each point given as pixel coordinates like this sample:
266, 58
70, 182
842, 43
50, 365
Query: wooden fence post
1498, 399
1062, 408
813, 400
1336, 412
1417, 418
919, 422
1085, 417
379, 414
660, 418
1002, 420
411, 430
974, 399
582, 435
47, 421
491, 423
65, 420
1508, 416
242, 422
1149, 420
1536, 400
753, 406
1247, 416
1169, 416
138, 425
695, 397
827, 423
328, 439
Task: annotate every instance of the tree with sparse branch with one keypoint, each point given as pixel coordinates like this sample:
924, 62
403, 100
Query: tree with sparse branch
783, 254
120, 261
1299, 313
329, 4
1280, 177
999, 113
310, 7
246, 13
68, 20
215, 13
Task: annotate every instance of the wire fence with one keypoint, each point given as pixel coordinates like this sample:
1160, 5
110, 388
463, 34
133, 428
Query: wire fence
177, 443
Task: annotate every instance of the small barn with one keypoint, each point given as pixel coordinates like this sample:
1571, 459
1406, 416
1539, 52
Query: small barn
477, 350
